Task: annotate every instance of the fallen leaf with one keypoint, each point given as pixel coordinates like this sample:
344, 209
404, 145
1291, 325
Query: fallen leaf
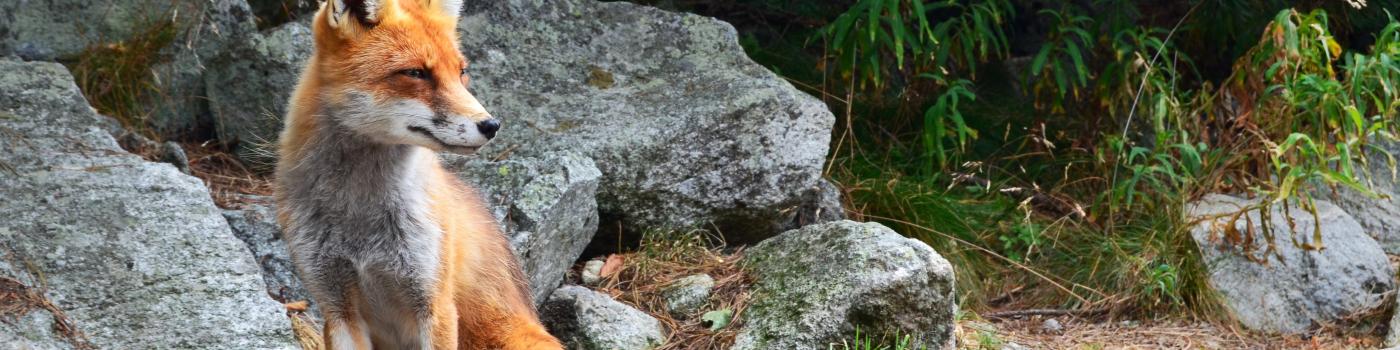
717, 319
299, 306
612, 266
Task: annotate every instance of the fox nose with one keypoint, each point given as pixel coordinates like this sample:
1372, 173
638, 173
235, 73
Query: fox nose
488, 127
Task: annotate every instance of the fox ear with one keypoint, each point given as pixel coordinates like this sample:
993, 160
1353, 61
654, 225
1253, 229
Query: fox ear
346, 14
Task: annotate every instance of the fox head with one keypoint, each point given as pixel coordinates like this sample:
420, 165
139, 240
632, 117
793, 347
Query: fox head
392, 72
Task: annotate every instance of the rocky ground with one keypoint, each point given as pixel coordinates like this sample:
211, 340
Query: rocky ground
625, 124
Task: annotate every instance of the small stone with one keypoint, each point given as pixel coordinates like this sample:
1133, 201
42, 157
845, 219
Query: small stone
1014, 346
1051, 326
686, 295
587, 320
592, 272
170, 152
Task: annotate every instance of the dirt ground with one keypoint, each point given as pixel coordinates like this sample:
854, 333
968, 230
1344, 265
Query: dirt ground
1030, 333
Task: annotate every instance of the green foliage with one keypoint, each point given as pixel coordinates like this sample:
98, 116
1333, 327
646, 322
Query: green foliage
872, 33
1022, 240
1076, 180
943, 122
1059, 70
1315, 124
866, 341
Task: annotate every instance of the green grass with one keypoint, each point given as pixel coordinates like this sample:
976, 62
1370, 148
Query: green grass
865, 341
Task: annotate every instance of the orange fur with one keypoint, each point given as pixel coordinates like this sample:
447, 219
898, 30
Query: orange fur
481, 299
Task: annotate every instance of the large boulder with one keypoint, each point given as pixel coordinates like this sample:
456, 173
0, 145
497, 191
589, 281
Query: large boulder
544, 205
56, 29
1378, 214
685, 128
587, 320
180, 108
192, 31
1272, 284
816, 285
130, 253
249, 85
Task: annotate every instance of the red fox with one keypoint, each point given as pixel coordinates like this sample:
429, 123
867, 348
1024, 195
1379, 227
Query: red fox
399, 254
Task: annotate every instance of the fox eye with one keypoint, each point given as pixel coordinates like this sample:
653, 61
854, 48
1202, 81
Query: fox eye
415, 73
464, 72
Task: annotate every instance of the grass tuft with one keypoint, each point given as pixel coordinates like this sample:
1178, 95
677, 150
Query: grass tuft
116, 77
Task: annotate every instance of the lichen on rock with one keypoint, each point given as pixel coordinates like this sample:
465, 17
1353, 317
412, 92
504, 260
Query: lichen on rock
815, 285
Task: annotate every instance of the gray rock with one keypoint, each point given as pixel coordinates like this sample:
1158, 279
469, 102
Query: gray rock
180, 108
33, 331
814, 286
272, 13
821, 203
63, 29
688, 294
1295, 288
1051, 326
587, 320
545, 205
171, 153
685, 128
134, 252
249, 85
1379, 215
256, 226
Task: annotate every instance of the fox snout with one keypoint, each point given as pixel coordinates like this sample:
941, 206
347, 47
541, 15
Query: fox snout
457, 134
488, 127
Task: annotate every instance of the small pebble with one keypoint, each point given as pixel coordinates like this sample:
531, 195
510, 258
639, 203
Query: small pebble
1051, 326
1013, 346
592, 272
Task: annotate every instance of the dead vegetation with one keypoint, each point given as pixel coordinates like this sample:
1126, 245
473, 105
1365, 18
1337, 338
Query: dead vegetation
1162, 334
304, 328
229, 181
638, 279
18, 299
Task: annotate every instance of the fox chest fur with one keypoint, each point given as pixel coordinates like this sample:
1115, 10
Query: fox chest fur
364, 207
